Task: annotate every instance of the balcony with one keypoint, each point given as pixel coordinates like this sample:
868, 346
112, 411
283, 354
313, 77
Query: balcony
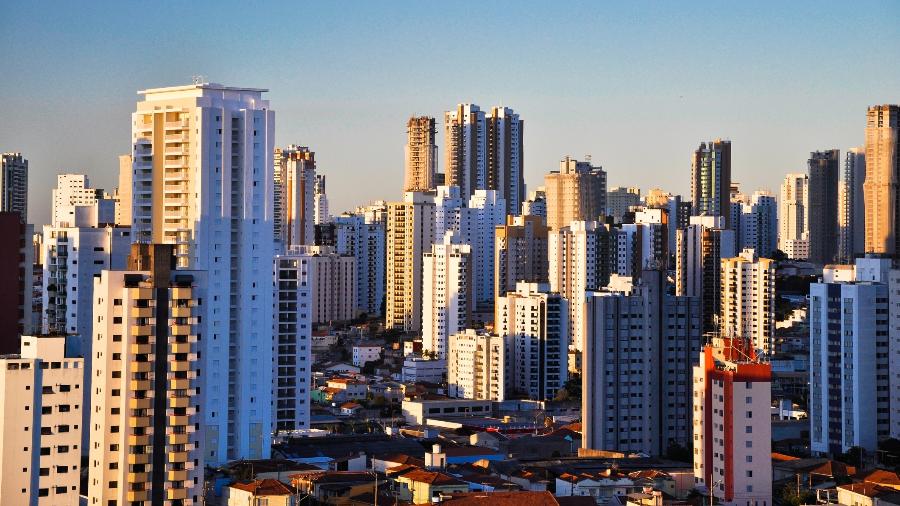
177, 476
180, 348
138, 458
141, 312
140, 367
181, 312
137, 495
134, 440
179, 384
176, 493
178, 420
178, 457
141, 330
177, 439
137, 477
139, 384
179, 402
140, 349
144, 403
180, 366
181, 330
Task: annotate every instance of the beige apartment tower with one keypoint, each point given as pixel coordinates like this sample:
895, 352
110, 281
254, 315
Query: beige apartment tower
748, 300
410, 233
576, 192
294, 204
421, 154
145, 400
520, 253
882, 186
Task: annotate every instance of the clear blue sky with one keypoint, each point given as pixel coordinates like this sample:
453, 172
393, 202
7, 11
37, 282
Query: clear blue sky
637, 85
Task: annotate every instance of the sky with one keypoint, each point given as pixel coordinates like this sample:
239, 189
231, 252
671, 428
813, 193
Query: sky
637, 85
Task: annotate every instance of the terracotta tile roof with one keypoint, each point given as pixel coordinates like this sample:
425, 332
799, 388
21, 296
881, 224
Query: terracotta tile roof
868, 489
400, 469
350, 405
833, 468
401, 458
264, 487
882, 477
431, 477
576, 500
780, 457
467, 451
525, 498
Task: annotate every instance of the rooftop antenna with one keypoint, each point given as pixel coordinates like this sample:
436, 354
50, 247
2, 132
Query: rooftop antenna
587, 158
198, 79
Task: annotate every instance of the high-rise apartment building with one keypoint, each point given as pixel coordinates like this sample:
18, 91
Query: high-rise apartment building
824, 174
620, 200
40, 431
759, 223
854, 317
698, 270
14, 185
536, 204
636, 381
476, 365
580, 258
505, 163
203, 181
882, 185
477, 227
711, 180
448, 294
748, 300
421, 154
465, 147
362, 238
732, 432
535, 324
793, 237
331, 281
292, 364
576, 192
146, 442
122, 195
294, 203
320, 202
520, 253
74, 190
16, 272
410, 233
852, 206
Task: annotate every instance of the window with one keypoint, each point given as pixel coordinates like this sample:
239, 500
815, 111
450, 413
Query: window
749, 429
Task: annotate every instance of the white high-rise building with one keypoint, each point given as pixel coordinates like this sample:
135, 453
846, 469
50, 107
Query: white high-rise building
41, 426
852, 206
698, 270
146, 434
73, 190
203, 181
122, 195
793, 232
535, 324
362, 238
448, 293
292, 364
759, 223
465, 148
748, 300
476, 365
636, 384
732, 429
854, 326
320, 202
477, 226
331, 281
579, 260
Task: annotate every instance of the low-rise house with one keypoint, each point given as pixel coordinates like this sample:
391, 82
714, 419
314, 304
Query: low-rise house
384, 462
336, 487
366, 352
423, 487
867, 494
353, 388
417, 369
266, 492
509, 498
350, 409
601, 486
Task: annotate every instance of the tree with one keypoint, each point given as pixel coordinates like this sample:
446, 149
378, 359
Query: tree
677, 452
792, 495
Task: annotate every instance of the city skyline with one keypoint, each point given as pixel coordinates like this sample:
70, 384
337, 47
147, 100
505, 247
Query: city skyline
591, 85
